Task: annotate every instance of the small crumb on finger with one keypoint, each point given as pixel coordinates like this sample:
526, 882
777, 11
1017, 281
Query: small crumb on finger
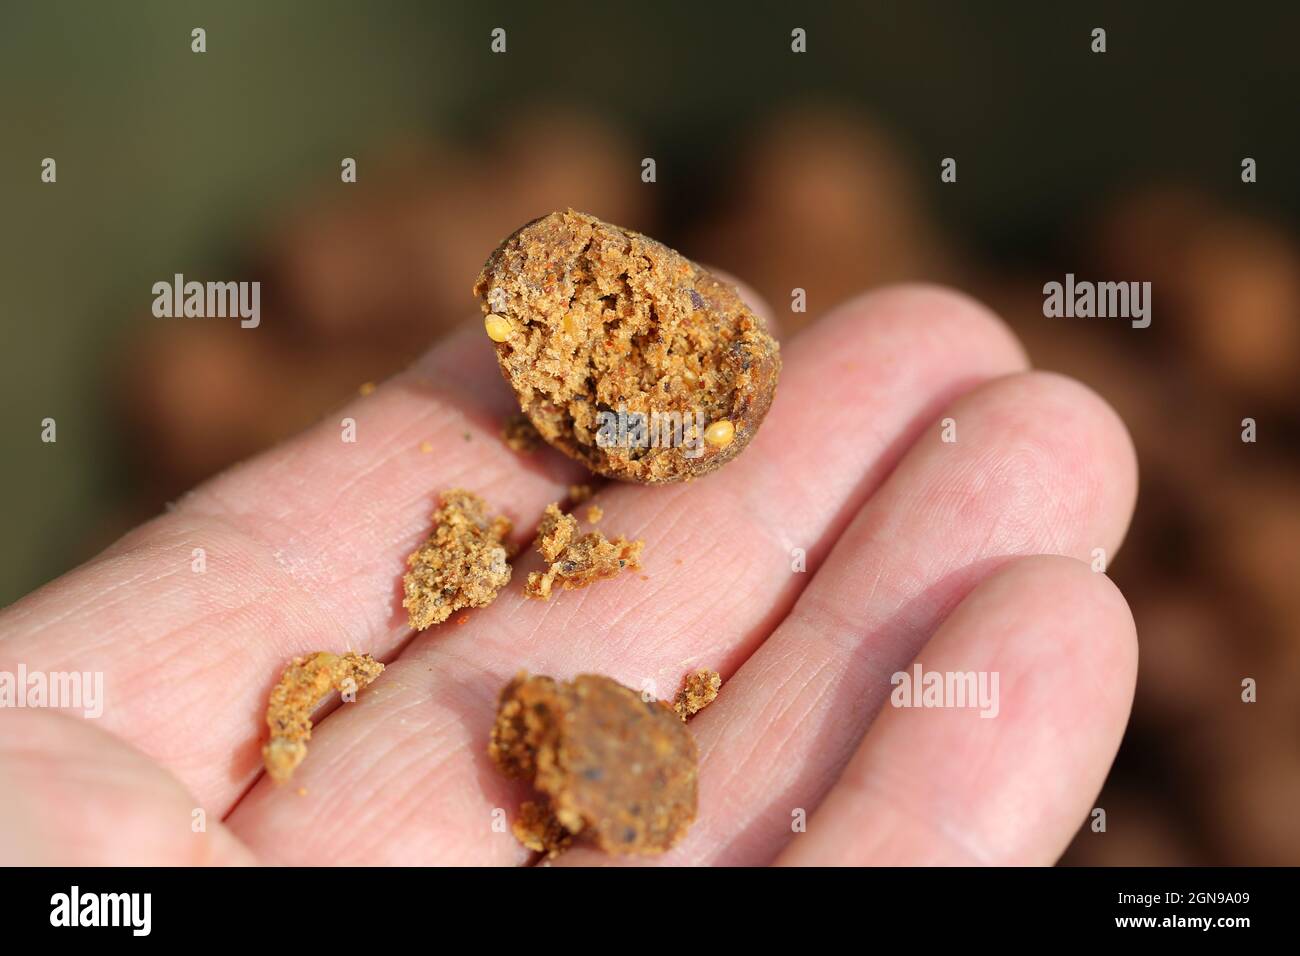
699, 689
464, 563
577, 561
303, 685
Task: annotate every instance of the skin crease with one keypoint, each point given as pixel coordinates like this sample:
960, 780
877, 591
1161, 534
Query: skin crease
905, 538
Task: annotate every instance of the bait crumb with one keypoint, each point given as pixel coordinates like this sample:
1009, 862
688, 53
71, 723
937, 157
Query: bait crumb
588, 317
464, 563
540, 830
555, 533
609, 767
520, 435
698, 691
302, 791
303, 685
579, 493
426, 447
576, 562
366, 388
594, 514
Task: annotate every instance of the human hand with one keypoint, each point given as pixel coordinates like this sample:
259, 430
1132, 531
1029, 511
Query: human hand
970, 554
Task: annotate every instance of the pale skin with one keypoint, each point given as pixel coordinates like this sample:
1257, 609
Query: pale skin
974, 555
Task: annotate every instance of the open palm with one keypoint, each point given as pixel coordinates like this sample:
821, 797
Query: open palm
968, 555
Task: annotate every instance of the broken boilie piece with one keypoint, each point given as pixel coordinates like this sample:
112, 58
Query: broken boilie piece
303, 685
577, 560
624, 354
699, 689
609, 767
464, 563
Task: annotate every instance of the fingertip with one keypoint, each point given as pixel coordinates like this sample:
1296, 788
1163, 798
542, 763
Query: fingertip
948, 316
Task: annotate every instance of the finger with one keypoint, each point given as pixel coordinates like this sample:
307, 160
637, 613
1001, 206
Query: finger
72, 794
855, 390
1040, 465
948, 786
192, 617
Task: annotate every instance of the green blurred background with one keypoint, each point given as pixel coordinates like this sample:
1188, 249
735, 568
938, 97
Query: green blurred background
818, 170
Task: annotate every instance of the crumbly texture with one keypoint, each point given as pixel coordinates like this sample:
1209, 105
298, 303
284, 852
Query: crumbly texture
594, 514
519, 434
464, 563
616, 770
555, 532
303, 685
538, 828
578, 494
577, 560
588, 317
699, 689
